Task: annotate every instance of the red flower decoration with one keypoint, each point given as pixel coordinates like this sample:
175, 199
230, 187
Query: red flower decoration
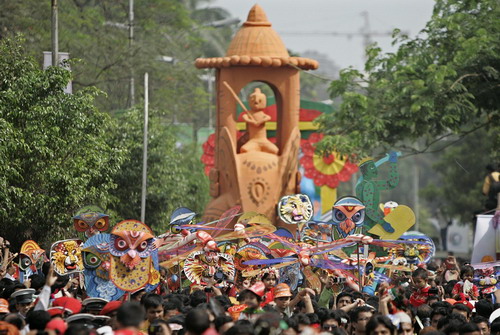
325, 171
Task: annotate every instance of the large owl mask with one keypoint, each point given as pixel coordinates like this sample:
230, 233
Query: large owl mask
131, 246
91, 223
348, 214
131, 240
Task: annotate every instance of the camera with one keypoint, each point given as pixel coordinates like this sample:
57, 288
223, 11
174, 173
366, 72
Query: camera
208, 289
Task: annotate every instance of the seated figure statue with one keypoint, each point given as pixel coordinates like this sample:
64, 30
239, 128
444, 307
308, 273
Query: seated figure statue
256, 125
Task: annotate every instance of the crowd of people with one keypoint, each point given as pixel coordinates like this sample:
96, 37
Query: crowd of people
439, 298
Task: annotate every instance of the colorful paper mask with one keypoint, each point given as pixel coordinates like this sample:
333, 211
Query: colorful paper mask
96, 260
348, 214
130, 246
31, 256
66, 256
91, 223
295, 209
202, 266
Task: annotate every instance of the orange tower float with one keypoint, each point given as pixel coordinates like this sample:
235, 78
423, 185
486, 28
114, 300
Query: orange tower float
252, 171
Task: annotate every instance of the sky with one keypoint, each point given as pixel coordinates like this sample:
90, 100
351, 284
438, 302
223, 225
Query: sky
292, 18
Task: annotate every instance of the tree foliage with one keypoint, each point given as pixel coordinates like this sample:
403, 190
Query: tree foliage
54, 147
175, 176
456, 193
442, 84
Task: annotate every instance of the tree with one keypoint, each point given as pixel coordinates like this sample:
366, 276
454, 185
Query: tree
440, 85
54, 148
461, 171
175, 176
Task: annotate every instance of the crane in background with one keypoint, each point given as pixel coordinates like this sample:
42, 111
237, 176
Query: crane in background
365, 32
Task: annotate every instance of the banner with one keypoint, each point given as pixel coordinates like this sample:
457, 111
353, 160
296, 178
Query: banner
485, 240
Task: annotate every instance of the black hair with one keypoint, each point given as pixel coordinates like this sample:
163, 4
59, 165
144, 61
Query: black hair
313, 318
335, 315
136, 293
357, 295
440, 311
373, 301
468, 328
467, 269
268, 274
444, 304
196, 298
14, 319
241, 328
301, 318
301, 304
484, 308
495, 326
37, 319
377, 320
224, 301
267, 324
345, 294
37, 281
197, 321
243, 294
479, 319
419, 273
462, 308
339, 331
222, 320
131, 314
151, 300
449, 319
354, 314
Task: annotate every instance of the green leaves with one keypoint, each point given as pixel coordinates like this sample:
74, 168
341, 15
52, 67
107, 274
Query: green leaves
55, 148
441, 81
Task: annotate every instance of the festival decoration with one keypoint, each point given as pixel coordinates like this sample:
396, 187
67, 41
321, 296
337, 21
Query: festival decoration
31, 259
96, 260
66, 256
399, 219
316, 232
202, 267
295, 209
348, 216
130, 246
256, 175
326, 171
90, 220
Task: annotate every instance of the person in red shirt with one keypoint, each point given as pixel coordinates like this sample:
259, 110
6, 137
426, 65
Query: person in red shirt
419, 296
465, 286
269, 276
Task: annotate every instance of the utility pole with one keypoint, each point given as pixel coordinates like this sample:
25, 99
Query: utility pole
130, 44
145, 148
55, 35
